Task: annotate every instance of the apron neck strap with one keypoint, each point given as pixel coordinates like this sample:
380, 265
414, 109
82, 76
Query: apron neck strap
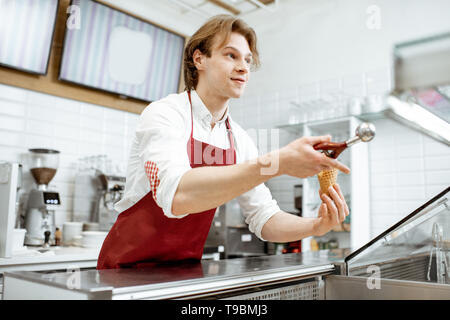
192, 115
227, 123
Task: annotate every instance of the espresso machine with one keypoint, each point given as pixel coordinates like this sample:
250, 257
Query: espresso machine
42, 202
113, 189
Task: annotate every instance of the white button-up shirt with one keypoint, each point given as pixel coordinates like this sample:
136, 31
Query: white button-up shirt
160, 146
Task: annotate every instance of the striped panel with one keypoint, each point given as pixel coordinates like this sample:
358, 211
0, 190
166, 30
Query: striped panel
26, 29
86, 53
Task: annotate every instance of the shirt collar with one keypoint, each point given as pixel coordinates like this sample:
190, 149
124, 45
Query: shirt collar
201, 112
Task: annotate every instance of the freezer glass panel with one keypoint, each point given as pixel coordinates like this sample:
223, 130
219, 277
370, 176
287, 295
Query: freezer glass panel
416, 248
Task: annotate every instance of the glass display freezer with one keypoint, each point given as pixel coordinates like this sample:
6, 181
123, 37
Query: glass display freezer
410, 260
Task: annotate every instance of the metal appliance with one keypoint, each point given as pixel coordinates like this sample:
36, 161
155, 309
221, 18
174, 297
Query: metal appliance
98, 185
421, 98
42, 202
10, 183
112, 192
229, 235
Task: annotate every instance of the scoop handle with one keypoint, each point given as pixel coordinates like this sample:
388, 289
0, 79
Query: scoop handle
331, 149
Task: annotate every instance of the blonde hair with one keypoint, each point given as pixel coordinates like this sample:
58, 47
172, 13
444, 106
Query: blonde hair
220, 25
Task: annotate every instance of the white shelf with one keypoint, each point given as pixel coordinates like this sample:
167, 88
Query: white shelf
332, 123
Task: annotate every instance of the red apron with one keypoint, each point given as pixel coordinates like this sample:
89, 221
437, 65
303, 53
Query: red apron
142, 234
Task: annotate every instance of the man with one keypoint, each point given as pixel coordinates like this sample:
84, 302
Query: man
189, 157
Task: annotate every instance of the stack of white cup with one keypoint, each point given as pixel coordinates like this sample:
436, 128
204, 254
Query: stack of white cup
72, 233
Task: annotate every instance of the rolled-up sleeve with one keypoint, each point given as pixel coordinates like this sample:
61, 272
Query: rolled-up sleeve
162, 151
257, 205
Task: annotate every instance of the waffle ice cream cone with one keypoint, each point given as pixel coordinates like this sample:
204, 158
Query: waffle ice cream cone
327, 178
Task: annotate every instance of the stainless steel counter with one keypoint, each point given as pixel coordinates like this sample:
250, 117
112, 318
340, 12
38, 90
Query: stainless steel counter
173, 280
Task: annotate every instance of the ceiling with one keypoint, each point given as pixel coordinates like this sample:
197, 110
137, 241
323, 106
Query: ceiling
186, 16
209, 8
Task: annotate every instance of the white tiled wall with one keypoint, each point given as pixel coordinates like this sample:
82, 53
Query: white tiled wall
299, 47
407, 168
30, 119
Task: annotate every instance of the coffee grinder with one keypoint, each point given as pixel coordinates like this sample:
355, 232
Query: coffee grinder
40, 213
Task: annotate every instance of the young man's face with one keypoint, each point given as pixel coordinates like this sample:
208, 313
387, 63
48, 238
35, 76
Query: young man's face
227, 71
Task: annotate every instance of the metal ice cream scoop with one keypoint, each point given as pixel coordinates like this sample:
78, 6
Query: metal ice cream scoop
364, 132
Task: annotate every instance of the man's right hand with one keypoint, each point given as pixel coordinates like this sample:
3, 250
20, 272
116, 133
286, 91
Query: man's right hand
299, 159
